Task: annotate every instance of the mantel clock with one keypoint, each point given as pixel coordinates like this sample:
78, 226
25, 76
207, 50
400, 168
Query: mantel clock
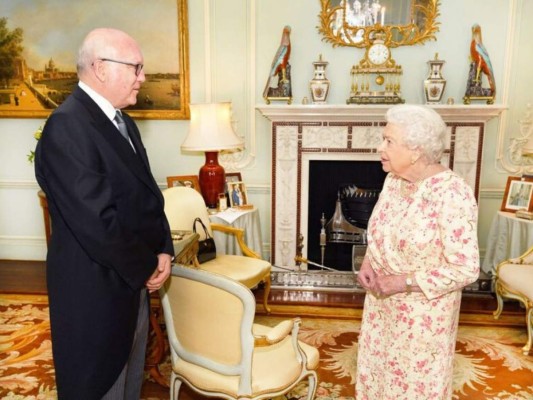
376, 79
377, 26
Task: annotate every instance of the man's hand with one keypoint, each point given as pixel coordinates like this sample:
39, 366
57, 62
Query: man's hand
161, 273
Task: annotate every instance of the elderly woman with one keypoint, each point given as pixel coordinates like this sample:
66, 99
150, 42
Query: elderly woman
422, 250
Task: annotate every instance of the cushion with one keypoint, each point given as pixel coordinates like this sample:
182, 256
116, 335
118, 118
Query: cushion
517, 277
246, 270
273, 366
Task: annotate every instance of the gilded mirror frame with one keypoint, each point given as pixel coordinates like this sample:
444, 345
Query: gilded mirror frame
423, 26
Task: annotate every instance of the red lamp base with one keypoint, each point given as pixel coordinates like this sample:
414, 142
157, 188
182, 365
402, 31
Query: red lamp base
212, 179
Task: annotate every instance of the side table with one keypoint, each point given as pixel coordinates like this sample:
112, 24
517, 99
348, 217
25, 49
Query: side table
509, 237
248, 220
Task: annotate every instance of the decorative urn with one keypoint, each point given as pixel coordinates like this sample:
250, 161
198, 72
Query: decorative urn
319, 85
435, 84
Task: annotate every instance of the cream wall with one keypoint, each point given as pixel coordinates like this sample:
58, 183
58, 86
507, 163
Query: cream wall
232, 43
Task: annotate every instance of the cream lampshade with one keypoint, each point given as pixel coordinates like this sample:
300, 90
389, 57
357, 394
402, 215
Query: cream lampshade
210, 131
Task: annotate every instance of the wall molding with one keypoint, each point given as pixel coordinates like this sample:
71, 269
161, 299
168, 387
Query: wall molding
33, 248
238, 160
23, 248
18, 184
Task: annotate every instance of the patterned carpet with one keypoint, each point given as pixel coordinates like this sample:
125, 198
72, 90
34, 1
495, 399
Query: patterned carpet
488, 364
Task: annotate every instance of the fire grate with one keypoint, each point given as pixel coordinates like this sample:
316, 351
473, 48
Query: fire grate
346, 281
316, 280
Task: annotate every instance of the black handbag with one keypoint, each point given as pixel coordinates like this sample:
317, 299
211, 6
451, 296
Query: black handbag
206, 248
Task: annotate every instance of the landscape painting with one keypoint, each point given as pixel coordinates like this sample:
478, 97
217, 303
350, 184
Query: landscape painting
38, 54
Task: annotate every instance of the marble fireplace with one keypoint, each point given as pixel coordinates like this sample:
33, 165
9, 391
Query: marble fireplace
305, 134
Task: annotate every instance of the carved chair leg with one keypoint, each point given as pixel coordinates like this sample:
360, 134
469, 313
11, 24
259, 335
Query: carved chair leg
266, 294
155, 356
175, 385
529, 321
311, 389
499, 300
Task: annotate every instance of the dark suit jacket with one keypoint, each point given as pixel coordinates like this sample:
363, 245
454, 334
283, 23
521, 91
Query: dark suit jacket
108, 225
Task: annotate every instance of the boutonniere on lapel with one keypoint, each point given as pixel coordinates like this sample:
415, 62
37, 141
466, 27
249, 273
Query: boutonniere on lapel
37, 135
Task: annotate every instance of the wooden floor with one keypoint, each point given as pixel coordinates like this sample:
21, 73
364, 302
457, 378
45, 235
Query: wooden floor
22, 277
30, 277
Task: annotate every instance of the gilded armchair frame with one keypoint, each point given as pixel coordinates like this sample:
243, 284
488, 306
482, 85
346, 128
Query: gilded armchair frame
504, 290
182, 204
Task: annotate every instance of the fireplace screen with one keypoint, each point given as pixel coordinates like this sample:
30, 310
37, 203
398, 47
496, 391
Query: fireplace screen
349, 222
338, 217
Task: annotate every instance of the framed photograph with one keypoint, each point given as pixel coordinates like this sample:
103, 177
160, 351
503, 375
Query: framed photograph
184, 180
233, 177
237, 194
42, 56
518, 194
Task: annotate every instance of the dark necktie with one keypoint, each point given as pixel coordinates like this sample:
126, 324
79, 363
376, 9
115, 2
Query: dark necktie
122, 127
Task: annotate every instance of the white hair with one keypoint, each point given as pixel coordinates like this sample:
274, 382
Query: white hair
423, 128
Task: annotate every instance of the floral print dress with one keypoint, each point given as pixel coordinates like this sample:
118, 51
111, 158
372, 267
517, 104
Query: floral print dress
407, 340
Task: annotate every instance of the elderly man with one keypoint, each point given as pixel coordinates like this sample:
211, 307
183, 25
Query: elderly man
110, 241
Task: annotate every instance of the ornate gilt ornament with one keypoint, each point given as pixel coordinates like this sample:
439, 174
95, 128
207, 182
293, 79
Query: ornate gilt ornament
520, 150
376, 79
378, 27
351, 22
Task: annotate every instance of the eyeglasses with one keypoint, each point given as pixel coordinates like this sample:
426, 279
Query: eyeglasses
138, 67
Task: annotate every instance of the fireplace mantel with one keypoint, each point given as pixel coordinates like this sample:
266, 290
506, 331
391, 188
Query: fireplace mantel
305, 133
307, 113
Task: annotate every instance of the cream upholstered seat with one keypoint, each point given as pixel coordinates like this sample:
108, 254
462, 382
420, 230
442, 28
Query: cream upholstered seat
514, 280
216, 348
182, 206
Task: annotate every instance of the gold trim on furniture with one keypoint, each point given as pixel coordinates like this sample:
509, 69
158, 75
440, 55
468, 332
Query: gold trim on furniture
504, 290
182, 206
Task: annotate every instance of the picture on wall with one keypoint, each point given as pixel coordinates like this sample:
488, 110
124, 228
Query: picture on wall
38, 69
518, 194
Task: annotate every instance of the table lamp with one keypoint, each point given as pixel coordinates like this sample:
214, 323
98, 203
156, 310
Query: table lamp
210, 131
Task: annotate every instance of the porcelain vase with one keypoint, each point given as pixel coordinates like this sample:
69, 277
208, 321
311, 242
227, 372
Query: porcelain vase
435, 84
319, 85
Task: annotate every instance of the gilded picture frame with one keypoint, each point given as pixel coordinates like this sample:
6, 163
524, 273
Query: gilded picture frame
237, 194
44, 59
518, 194
233, 177
190, 181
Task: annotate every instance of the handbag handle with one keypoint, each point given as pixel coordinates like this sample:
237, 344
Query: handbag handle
198, 219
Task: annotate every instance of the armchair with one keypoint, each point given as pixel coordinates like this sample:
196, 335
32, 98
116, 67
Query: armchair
218, 351
513, 280
182, 206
